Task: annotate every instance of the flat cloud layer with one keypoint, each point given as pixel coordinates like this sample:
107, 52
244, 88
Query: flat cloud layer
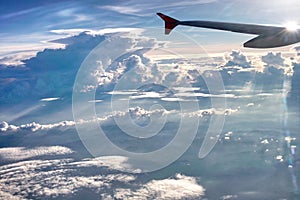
65, 177
137, 114
21, 153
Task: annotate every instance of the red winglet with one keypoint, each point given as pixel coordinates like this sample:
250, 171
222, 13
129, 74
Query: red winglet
170, 22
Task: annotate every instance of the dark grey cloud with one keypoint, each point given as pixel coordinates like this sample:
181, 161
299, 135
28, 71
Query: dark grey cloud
50, 73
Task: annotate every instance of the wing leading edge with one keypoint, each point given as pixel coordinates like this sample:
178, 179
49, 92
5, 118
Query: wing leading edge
268, 36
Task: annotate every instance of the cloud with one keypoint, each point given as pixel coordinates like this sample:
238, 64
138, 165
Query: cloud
146, 9
73, 14
179, 187
237, 59
134, 68
113, 162
6, 195
130, 70
122, 9
50, 99
74, 32
276, 60
138, 114
273, 59
204, 95
35, 126
59, 67
229, 197
4, 126
25, 179
147, 95
95, 101
173, 99
294, 94
19, 13
62, 178
209, 112
182, 78
263, 72
15, 59
15, 49
22, 153
250, 105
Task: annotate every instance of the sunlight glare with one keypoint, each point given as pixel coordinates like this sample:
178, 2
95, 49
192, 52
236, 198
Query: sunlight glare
292, 26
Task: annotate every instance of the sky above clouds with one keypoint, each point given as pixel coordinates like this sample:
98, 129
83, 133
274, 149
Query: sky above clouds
28, 26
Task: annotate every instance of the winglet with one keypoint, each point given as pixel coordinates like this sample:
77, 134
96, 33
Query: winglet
170, 22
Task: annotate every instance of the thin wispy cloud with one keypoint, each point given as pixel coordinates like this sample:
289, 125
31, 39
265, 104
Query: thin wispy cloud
20, 13
147, 8
122, 9
73, 14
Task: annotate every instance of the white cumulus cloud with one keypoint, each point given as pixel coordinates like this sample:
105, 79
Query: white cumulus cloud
179, 187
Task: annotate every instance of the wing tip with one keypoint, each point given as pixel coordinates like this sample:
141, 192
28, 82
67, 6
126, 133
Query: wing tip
170, 23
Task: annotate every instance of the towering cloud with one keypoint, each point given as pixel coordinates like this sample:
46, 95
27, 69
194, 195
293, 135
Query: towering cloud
50, 73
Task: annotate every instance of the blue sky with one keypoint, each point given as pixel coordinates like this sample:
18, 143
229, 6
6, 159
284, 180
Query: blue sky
26, 25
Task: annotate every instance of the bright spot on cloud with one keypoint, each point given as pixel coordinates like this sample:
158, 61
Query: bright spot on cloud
95, 101
50, 99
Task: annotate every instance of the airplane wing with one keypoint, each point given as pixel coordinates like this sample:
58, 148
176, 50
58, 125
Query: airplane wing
233, 27
268, 36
